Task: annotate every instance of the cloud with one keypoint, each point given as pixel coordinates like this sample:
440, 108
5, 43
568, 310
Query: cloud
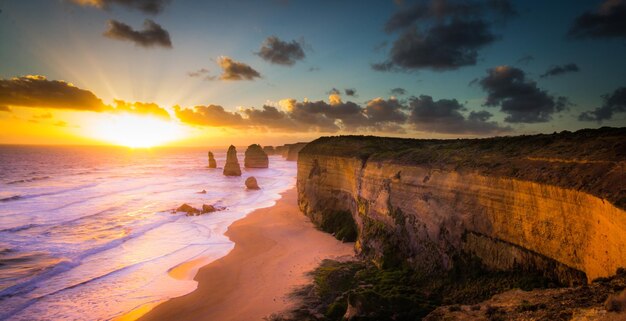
312, 69
280, 52
350, 92
609, 21
444, 116
613, 103
442, 35
43, 116
141, 109
147, 6
559, 70
198, 73
152, 34
521, 99
5, 108
37, 91
211, 115
398, 91
60, 123
379, 110
234, 70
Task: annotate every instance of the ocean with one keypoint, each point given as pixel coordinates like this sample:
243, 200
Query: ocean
87, 233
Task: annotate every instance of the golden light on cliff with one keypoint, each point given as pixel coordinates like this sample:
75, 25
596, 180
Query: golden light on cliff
136, 131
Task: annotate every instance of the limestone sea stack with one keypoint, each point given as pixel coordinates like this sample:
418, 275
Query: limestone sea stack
251, 183
231, 168
269, 150
212, 162
255, 157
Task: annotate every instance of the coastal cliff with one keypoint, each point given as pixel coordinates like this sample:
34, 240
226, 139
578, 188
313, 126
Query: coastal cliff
548, 203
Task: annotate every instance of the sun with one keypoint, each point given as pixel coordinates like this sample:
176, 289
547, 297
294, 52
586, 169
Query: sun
137, 131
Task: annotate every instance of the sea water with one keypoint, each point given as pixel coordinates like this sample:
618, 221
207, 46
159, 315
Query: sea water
87, 233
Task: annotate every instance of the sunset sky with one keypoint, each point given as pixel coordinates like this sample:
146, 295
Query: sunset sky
183, 72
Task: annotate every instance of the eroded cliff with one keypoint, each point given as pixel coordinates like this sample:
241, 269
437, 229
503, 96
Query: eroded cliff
551, 203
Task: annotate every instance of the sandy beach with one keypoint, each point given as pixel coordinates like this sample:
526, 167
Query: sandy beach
274, 248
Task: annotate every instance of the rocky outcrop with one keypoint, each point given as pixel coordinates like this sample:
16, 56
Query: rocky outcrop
290, 151
269, 150
192, 211
251, 183
231, 168
552, 203
255, 157
212, 162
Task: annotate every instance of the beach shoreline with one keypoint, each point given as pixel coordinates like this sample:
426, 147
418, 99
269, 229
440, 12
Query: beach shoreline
274, 249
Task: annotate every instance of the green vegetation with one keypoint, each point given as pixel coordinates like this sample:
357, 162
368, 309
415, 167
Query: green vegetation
400, 293
340, 224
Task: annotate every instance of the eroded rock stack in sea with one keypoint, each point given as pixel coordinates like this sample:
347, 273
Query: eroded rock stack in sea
251, 183
212, 162
231, 168
269, 150
255, 157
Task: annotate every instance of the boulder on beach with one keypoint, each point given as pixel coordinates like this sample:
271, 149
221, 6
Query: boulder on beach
269, 150
255, 157
231, 168
251, 183
212, 162
188, 209
208, 208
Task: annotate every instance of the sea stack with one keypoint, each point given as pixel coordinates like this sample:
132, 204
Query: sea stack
231, 168
255, 157
212, 162
269, 150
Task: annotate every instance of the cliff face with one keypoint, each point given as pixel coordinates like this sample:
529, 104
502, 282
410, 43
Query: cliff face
553, 203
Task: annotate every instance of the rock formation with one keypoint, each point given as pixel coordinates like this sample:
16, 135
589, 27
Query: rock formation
255, 157
188, 210
269, 150
549, 203
251, 183
208, 208
212, 162
293, 150
231, 168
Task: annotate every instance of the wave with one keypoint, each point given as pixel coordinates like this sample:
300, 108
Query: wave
28, 180
11, 198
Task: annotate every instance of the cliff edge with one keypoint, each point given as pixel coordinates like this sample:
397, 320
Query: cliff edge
550, 203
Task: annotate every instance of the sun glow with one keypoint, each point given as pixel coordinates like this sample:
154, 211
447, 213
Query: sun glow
137, 131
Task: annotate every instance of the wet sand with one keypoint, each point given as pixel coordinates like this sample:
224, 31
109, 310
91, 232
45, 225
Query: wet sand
274, 248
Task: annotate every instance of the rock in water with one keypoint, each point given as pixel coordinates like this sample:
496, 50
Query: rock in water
251, 183
208, 208
212, 162
255, 157
188, 209
269, 150
231, 168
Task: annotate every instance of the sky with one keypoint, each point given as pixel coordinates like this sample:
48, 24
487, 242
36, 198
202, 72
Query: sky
181, 72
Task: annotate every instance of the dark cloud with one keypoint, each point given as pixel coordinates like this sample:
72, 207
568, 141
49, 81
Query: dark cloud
518, 97
613, 103
234, 70
379, 110
312, 69
37, 91
444, 116
398, 91
152, 34
211, 115
350, 92
147, 6
526, 59
442, 35
281, 52
559, 70
141, 108
609, 21
334, 91
5, 108
443, 47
